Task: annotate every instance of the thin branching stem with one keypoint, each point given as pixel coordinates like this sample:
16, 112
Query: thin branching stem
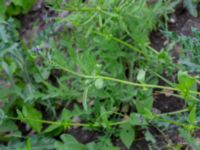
141, 85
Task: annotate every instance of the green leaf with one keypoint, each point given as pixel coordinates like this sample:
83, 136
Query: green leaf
141, 76
2, 116
186, 135
192, 115
25, 4
137, 119
36, 143
56, 129
186, 83
142, 105
66, 115
191, 7
184, 77
3, 34
2, 10
148, 114
69, 143
149, 137
127, 135
28, 144
6, 68
99, 83
102, 146
32, 117
18, 2
42, 74
13, 10
51, 128
85, 97
104, 143
8, 126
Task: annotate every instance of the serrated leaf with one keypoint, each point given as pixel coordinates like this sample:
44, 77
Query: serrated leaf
31, 116
137, 119
127, 135
186, 135
8, 126
104, 143
142, 105
186, 83
37, 143
69, 143
56, 129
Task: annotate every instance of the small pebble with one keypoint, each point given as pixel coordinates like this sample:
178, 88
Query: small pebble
172, 19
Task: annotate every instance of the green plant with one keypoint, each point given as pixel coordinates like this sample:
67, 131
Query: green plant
15, 7
188, 51
191, 6
97, 59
